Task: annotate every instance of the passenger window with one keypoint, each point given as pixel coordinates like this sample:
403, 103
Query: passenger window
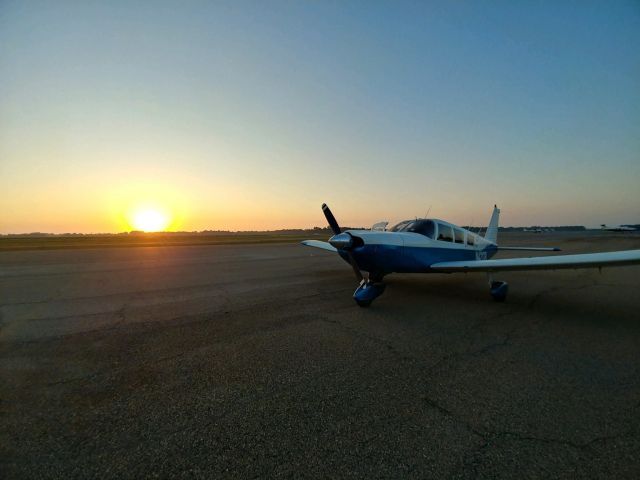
445, 233
470, 239
459, 235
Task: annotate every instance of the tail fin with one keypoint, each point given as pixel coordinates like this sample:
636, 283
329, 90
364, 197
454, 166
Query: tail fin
492, 230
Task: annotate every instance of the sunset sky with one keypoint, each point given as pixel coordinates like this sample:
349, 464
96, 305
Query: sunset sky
250, 115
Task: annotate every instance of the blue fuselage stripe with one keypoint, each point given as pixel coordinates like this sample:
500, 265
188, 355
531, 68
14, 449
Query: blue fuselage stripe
399, 259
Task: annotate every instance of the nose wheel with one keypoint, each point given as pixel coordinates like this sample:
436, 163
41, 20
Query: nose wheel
368, 291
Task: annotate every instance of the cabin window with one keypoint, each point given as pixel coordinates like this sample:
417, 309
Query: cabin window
459, 235
423, 227
445, 233
471, 241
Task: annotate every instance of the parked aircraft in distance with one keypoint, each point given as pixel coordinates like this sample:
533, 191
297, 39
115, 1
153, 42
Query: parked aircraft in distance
534, 230
618, 228
435, 246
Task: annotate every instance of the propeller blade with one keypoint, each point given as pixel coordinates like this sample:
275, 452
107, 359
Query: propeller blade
341, 242
354, 265
331, 219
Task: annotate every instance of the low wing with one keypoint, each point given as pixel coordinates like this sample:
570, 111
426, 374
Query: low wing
587, 260
319, 244
535, 249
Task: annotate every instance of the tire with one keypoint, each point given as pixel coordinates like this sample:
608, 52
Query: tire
499, 291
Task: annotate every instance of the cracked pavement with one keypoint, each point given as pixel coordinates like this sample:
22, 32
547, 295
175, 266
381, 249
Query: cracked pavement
254, 361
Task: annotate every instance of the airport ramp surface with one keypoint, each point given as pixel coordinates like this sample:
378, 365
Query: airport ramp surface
237, 361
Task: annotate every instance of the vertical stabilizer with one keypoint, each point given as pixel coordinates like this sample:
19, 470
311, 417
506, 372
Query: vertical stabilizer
492, 230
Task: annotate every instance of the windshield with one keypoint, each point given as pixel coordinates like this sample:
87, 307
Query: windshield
423, 227
402, 226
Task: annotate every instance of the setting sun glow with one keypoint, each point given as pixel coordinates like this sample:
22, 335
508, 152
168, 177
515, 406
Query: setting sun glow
150, 221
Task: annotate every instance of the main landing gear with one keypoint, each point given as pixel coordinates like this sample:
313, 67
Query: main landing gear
498, 289
368, 290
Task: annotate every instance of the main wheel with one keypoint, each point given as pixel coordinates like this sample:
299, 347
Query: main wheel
499, 291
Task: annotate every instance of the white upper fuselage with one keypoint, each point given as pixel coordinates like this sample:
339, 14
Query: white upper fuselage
411, 251
461, 238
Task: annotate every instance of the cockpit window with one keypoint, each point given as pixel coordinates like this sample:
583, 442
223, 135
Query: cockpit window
401, 226
423, 227
445, 233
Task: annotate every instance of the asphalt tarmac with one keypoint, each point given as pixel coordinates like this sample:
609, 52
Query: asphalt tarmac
253, 361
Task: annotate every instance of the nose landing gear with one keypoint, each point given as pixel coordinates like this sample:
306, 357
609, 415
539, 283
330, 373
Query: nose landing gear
368, 290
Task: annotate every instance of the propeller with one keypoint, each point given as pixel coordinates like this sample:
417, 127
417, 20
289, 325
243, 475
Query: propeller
341, 241
331, 219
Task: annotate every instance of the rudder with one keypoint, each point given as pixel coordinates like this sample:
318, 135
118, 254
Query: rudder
492, 230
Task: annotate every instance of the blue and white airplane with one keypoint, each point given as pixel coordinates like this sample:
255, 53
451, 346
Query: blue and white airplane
436, 246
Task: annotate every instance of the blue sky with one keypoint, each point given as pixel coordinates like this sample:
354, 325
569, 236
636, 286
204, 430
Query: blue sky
251, 114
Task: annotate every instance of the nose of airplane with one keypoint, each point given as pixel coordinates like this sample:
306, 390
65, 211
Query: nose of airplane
341, 241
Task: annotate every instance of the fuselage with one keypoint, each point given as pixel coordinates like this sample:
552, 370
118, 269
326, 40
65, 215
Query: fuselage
415, 246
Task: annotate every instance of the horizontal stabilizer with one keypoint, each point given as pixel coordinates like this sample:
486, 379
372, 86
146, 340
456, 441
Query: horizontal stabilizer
587, 260
319, 244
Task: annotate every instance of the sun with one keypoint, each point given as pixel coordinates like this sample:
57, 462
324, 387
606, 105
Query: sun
150, 220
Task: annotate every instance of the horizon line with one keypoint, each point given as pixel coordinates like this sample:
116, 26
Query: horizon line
299, 229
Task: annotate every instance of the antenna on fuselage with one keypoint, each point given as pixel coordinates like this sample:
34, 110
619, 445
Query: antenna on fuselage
426, 215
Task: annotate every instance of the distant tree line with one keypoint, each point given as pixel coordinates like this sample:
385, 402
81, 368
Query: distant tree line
292, 231
562, 228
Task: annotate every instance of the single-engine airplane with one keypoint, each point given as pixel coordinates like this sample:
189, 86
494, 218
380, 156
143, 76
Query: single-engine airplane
435, 246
